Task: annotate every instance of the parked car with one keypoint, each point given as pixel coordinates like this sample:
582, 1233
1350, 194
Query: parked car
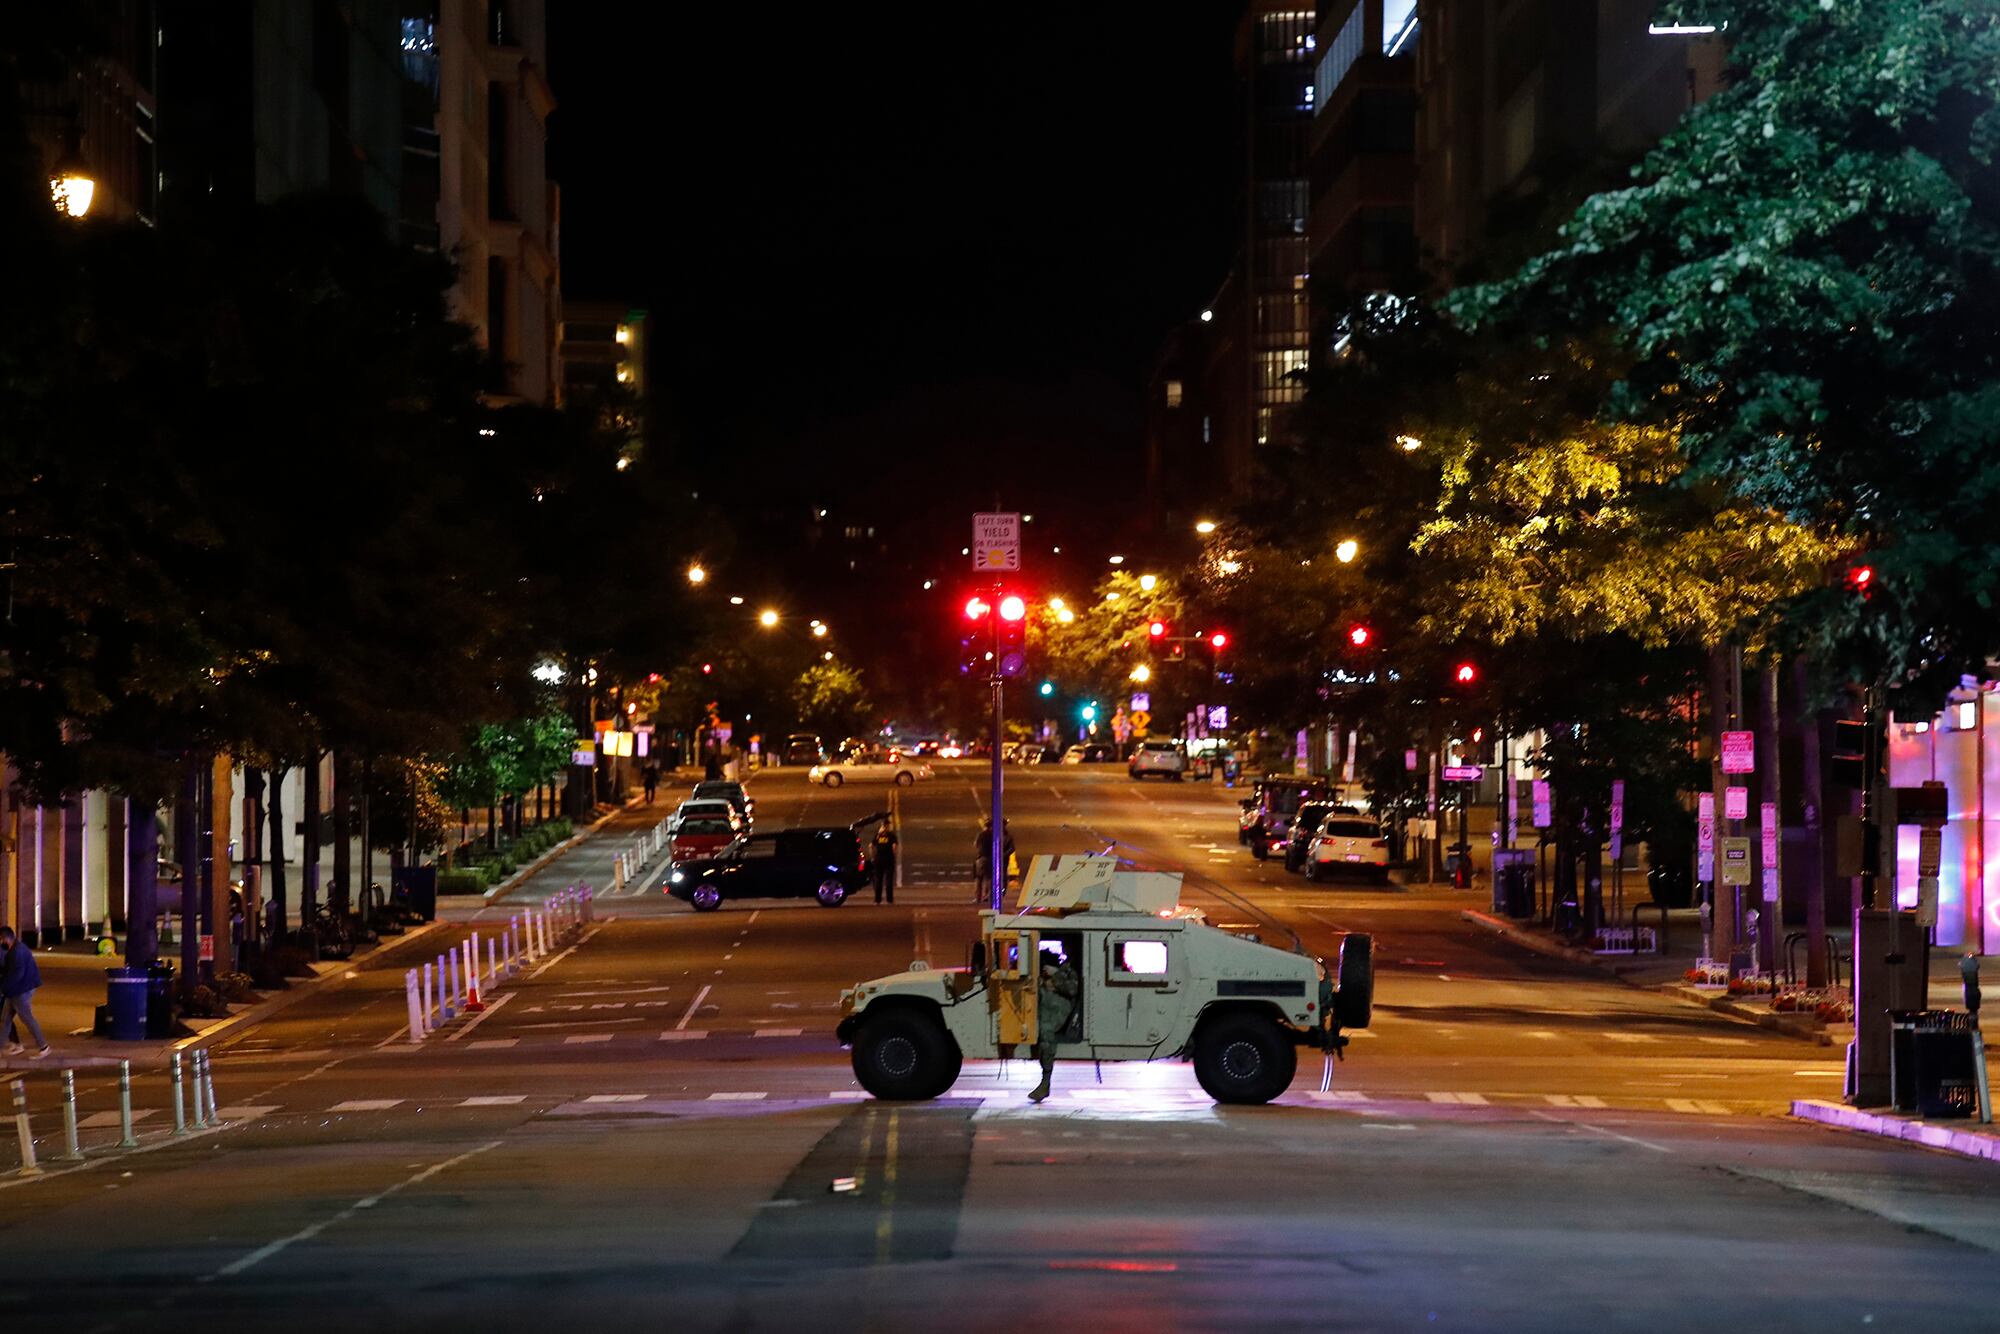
1162, 758
869, 769
826, 862
803, 748
734, 793
1304, 825
1348, 845
703, 835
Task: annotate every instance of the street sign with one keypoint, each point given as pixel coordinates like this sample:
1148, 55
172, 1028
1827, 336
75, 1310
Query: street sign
1739, 752
1141, 702
1928, 804
1704, 837
1735, 861
208, 949
1767, 819
1735, 803
1464, 773
1617, 805
1218, 718
1544, 813
1138, 718
996, 541
1410, 760
1304, 748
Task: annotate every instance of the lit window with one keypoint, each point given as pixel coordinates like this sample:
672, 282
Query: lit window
1173, 393
1399, 25
624, 334
1142, 956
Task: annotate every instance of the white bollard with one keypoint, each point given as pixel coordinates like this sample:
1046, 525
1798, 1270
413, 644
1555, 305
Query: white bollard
428, 1024
416, 1014
445, 1011
73, 1149
208, 1087
180, 1105
472, 964
492, 962
457, 981
23, 1131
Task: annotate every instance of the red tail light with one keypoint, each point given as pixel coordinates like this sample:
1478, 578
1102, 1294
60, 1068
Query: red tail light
1379, 843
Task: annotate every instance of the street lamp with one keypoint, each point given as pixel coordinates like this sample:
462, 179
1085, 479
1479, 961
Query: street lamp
71, 185
1205, 527
819, 631
1346, 551
1409, 443
1142, 673
696, 574
1064, 615
767, 618
1114, 560
1148, 582
735, 602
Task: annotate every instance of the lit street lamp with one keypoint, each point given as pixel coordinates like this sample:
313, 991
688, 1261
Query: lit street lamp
1205, 527
1346, 551
1142, 673
696, 574
767, 618
1148, 582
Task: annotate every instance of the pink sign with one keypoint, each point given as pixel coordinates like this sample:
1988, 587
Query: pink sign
1736, 803
1704, 823
1617, 805
1739, 753
1768, 815
1543, 815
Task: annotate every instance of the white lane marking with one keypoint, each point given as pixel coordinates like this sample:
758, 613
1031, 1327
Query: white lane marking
493, 1044
492, 1008
737, 1097
240, 1113
616, 1097
99, 1120
1336, 1095
1600, 1130
1459, 1099
1630, 1037
848, 1093
495, 1100
269, 1249
1698, 1106
729, 956
683, 1035
694, 1005
571, 950
779, 1032
753, 918
366, 1105
576, 1038
1538, 1033
1820, 1072
1572, 1100
1725, 1042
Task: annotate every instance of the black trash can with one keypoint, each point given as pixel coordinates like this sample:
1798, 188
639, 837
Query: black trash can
160, 999
1931, 1065
125, 1004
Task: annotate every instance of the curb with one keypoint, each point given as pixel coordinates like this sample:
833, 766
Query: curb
1839, 1116
1784, 1024
562, 849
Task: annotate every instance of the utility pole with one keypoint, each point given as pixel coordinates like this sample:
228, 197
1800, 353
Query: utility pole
998, 854
996, 547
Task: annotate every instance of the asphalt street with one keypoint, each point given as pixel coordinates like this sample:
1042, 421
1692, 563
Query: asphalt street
647, 1128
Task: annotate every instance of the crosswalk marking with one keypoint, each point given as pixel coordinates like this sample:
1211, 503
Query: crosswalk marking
1700, 1106
1572, 1100
366, 1105
682, 1035
779, 1032
1337, 1095
848, 1093
100, 1120
575, 1038
1631, 1037
1459, 1099
616, 1097
737, 1097
492, 1044
245, 1113
495, 1100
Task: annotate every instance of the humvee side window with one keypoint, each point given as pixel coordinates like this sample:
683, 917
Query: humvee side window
1135, 960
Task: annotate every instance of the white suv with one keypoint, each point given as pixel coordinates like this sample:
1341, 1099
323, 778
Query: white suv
1164, 758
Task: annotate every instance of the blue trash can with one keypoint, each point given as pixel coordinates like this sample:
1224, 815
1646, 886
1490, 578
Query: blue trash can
126, 1001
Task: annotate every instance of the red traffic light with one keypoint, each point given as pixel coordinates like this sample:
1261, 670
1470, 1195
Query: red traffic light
976, 608
1012, 608
1218, 639
1359, 636
652, 678
1466, 674
1860, 577
1156, 629
707, 668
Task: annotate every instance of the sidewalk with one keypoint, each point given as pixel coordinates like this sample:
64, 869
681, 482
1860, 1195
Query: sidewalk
1973, 1139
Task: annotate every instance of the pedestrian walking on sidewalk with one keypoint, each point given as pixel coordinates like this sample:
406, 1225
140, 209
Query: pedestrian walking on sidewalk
652, 777
885, 863
19, 977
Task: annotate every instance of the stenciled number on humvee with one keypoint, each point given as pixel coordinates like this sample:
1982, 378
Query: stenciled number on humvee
1156, 984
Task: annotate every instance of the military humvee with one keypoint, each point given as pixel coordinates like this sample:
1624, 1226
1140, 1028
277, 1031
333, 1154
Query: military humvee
1157, 982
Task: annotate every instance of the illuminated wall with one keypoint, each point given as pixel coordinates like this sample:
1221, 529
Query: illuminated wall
1961, 748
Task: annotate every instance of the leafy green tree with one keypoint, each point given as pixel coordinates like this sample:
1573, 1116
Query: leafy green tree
1807, 275
830, 696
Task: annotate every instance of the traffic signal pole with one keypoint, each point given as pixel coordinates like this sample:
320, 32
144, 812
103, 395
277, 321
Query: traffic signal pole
998, 854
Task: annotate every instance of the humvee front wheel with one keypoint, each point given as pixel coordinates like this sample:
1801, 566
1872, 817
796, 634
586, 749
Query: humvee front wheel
901, 1055
1243, 1058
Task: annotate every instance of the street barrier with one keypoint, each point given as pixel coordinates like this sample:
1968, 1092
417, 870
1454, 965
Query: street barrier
23, 1131
126, 1139
205, 1085
181, 1107
416, 1011
74, 1149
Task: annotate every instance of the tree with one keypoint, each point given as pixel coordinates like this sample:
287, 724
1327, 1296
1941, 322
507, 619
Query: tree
1807, 275
830, 696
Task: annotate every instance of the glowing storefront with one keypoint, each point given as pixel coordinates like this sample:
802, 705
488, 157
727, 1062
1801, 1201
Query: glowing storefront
1961, 748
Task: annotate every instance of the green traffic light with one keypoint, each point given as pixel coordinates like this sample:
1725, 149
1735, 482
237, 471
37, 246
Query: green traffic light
1089, 712
1048, 688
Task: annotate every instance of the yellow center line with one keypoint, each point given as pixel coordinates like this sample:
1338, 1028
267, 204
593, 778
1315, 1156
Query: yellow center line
885, 1226
867, 1143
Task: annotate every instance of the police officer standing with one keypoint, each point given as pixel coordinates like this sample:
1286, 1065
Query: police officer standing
885, 863
1055, 1001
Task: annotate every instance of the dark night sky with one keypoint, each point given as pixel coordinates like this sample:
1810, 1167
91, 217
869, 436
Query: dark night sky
866, 222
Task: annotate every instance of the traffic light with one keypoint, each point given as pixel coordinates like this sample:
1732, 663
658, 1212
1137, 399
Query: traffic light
1088, 712
1048, 688
1012, 608
1157, 629
1861, 579
1011, 652
708, 669
1847, 764
976, 608
1359, 635
1465, 674
1218, 640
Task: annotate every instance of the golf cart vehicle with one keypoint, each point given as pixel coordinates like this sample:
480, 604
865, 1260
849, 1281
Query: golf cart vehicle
1157, 983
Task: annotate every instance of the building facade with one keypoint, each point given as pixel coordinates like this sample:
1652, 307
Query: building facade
1361, 173
603, 347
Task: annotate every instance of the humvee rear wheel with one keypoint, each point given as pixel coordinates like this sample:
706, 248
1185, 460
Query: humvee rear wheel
902, 1055
1243, 1058
1354, 1002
